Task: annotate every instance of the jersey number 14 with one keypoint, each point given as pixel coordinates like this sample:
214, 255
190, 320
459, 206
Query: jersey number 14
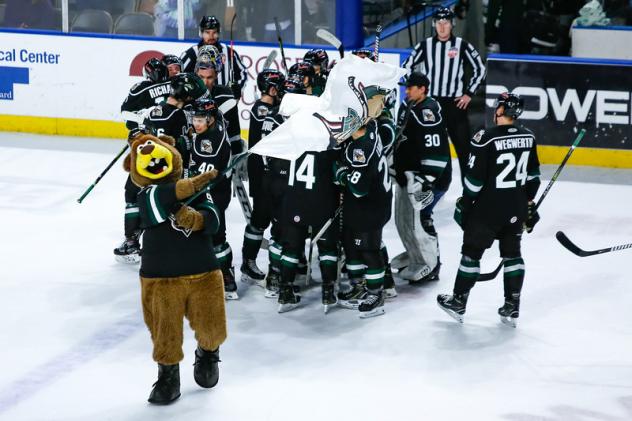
508, 178
305, 172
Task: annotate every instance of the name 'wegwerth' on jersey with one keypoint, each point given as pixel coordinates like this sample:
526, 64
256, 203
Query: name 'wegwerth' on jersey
503, 173
443, 62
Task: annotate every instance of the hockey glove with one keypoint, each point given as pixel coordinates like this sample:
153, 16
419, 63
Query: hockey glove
532, 217
189, 218
237, 146
236, 90
419, 191
462, 211
189, 186
342, 176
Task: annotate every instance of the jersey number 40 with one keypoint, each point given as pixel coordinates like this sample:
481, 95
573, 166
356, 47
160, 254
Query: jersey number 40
508, 178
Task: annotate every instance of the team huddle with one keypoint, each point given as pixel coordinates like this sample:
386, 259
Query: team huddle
338, 201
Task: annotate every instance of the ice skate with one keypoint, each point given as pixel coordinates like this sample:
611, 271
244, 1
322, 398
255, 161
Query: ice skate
230, 287
251, 274
129, 251
389, 284
372, 305
352, 298
509, 312
288, 300
329, 297
272, 284
454, 305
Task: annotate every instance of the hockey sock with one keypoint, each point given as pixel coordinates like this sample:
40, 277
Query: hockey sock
469, 270
274, 255
355, 269
224, 255
513, 276
328, 265
289, 264
374, 279
132, 219
387, 268
252, 242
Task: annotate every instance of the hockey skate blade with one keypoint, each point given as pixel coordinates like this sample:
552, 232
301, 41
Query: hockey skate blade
373, 313
252, 281
231, 295
509, 321
456, 316
271, 294
390, 293
284, 308
129, 259
327, 307
350, 304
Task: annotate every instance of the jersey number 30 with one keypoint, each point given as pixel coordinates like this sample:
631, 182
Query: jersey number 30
504, 180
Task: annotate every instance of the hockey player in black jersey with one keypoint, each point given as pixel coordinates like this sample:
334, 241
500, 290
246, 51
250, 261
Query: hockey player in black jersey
143, 95
364, 53
363, 172
501, 182
270, 83
173, 63
210, 150
305, 72
423, 172
226, 103
320, 63
209, 34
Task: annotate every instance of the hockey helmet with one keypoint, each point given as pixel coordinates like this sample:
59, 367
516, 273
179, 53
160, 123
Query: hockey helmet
155, 70
318, 57
269, 78
302, 69
512, 104
443, 13
209, 22
292, 85
188, 87
364, 53
170, 59
205, 107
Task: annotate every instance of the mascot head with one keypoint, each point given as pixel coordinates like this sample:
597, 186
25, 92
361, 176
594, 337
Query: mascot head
153, 160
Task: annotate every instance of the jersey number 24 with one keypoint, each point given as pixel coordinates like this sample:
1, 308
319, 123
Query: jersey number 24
508, 178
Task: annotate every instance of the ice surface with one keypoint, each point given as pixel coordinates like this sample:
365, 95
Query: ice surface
73, 344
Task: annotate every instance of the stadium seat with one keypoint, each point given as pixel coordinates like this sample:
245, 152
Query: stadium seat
2, 8
91, 20
135, 24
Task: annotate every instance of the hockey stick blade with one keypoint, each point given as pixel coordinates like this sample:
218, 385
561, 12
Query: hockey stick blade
484, 277
271, 57
570, 246
327, 36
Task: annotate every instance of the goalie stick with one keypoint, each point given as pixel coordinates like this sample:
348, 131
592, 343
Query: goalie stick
570, 246
327, 36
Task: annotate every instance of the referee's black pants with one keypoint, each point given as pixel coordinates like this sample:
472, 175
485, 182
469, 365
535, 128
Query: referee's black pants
458, 124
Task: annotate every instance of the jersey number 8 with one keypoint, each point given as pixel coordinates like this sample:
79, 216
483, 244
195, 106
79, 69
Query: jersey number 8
503, 180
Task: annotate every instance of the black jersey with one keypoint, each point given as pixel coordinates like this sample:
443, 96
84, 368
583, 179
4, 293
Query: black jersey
503, 174
227, 104
144, 95
368, 193
386, 130
211, 150
256, 165
311, 195
279, 168
170, 120
168, 250
318, 85
424, 148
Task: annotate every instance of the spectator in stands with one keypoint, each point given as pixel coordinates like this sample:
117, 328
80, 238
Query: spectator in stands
508, 35
166, 12
33, 14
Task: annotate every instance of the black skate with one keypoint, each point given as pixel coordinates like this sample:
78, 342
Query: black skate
352, 298
372, 305
251, 274
454, 305
329, 297
205, 368
389, 284
167, 388
272, 284
510, 311
128, 251
288, 300
230, 287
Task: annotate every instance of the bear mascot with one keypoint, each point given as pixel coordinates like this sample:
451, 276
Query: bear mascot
179, 274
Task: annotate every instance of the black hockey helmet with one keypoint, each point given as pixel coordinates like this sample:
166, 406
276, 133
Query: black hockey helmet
155, 70
170, 59
302, 69
364, 53
205, 107
293, 85
318, 57
512, 104
209, 22
269, 78
188, 87
443, 13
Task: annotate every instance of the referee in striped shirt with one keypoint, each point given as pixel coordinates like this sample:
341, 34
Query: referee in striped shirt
442, 59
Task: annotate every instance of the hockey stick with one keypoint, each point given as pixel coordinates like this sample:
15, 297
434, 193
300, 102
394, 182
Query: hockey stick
231, 76
271, 57
483, 277
327, 36
278, 32
313, 240
236, 161
116, 158
570, 246
378, 34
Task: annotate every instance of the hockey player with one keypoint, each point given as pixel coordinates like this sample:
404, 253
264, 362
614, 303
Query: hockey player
225, 101
143, 95
363, 171
211, 150
423, 172
209, 34
173, 63
270, 83
501, 182
364, 53
305, 72
320, 63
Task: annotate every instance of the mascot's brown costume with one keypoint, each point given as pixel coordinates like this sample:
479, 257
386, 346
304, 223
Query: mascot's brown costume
179, 274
